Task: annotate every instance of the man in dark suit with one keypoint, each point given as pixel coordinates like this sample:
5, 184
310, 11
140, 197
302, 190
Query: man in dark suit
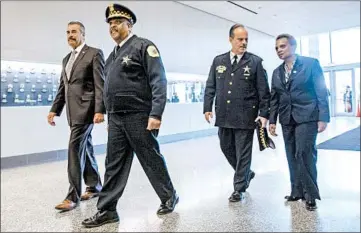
299, 97
81, 91
239, 82
135, 97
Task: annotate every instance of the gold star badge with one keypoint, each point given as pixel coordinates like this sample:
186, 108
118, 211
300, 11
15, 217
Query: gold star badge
126, 59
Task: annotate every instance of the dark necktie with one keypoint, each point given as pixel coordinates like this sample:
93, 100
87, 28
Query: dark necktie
234, 64
116, 51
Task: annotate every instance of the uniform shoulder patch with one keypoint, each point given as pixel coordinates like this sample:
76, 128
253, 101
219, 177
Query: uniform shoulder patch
152, 51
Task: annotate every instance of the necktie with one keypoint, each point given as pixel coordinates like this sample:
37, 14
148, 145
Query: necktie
116, 52
70, 64
234, 62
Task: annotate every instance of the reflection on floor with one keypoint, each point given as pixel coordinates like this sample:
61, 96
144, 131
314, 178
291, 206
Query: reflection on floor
203, 180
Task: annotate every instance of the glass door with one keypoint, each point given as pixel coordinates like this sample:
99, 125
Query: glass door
343, 99
357, 88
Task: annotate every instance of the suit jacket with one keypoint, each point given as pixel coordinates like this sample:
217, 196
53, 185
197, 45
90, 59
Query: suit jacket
304, 96
241, 95
135, 79
82, 92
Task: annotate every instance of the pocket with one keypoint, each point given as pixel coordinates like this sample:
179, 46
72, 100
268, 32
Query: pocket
220, 79
125, 101
125, 94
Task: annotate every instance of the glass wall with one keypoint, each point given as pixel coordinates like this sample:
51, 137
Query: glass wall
317, 46
332, 48
345, 46
339, 54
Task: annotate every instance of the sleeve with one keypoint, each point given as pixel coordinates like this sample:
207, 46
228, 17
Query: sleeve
274, 103
210, 90
155, 71
321, 92
59, 101
98, 75
263, 91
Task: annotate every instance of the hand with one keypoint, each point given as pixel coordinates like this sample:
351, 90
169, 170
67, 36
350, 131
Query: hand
51, 116
321, 126
263, 121
208, 115
272, 130
98, 118
153, 123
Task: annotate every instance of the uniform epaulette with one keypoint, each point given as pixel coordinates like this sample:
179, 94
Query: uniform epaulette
223, 54
252, 54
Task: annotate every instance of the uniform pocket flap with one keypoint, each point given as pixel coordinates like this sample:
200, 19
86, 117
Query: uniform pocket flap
87, 97
126, 94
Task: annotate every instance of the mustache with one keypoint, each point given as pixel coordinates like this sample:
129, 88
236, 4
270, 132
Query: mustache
71, 38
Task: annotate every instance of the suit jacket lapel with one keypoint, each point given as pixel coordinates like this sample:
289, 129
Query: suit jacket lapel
80, 56
65, 61
296, 68
282, 74
245, 58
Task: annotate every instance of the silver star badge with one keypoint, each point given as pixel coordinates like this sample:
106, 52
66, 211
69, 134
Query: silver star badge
126, 59
247, 69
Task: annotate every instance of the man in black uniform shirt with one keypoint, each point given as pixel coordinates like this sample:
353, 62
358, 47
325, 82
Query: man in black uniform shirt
239, 83
135, 96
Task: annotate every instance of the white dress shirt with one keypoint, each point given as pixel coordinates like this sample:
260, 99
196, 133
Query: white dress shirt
239, 57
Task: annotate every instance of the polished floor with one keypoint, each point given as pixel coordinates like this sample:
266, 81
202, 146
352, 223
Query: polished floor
203, 180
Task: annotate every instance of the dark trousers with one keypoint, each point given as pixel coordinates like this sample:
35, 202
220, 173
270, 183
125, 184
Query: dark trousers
128, 134
236, 145
300, 144
81, 162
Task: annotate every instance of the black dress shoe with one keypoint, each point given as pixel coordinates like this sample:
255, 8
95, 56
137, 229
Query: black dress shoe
311, 205
252, 174
236, 196
101, 218
168, 206
292, 198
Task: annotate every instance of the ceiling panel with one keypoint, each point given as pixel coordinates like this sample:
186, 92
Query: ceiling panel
295, 17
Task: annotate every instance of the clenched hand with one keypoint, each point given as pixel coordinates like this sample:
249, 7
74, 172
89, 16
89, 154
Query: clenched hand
153, 123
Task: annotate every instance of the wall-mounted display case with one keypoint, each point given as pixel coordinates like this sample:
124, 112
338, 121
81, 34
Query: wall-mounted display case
36, 84
28, 84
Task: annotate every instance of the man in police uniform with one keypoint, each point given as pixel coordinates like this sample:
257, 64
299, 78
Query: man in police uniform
239, 83
135, 94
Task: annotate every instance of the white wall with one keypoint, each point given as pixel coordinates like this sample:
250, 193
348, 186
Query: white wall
188, 40
25, 130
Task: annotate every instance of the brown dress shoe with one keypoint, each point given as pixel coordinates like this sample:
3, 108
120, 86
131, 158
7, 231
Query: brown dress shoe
88, 195
66, 205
